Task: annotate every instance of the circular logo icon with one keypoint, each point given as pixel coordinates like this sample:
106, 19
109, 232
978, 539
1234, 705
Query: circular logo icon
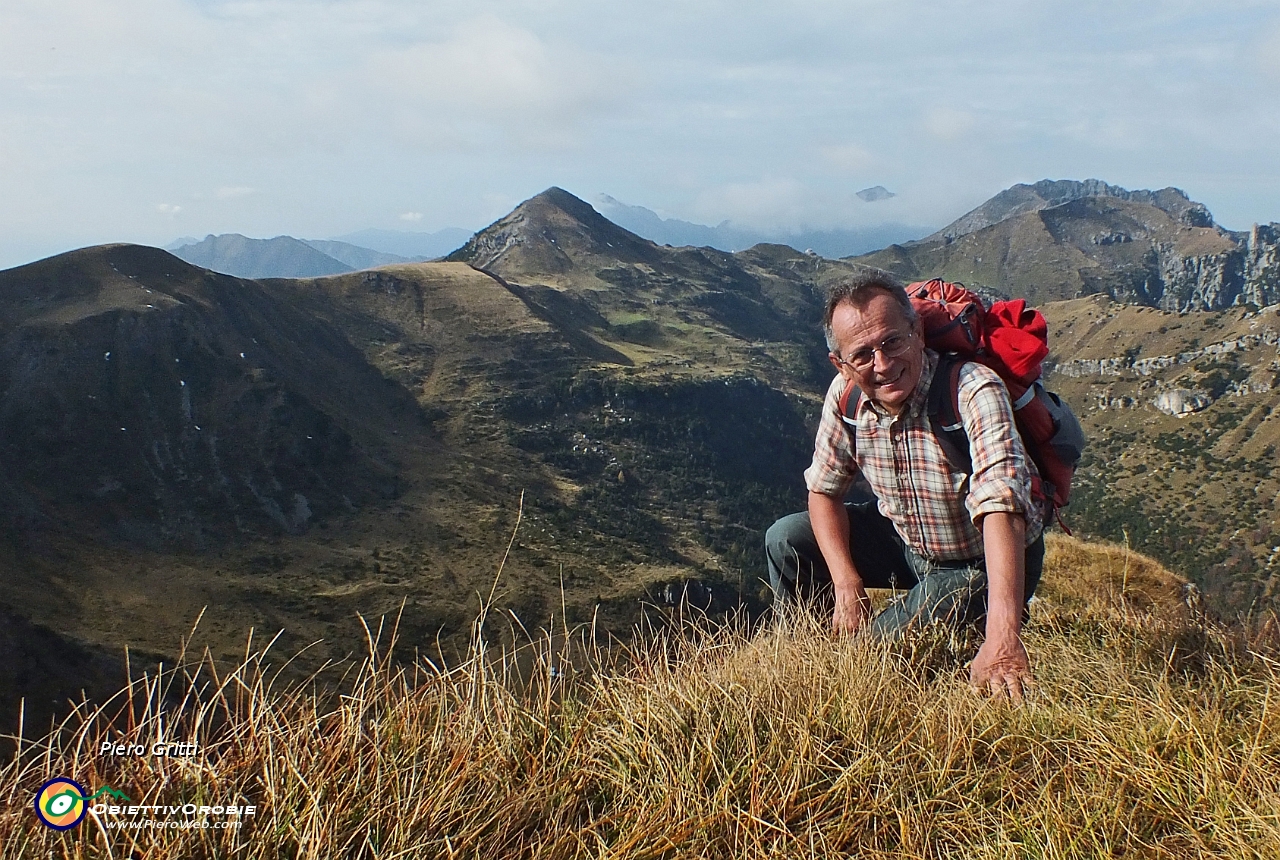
60, 803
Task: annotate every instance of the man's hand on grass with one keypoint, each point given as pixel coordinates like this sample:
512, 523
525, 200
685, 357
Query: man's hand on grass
853, 609
1001, 668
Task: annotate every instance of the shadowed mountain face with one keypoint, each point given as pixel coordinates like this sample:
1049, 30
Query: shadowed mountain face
168, 406
1061, 239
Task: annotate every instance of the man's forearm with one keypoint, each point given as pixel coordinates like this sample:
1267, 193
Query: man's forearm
831, 529
1003, 539
1001, 666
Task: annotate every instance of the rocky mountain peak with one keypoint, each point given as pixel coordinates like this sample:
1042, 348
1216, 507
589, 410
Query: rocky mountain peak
554, 233
1060, 239
1021, 199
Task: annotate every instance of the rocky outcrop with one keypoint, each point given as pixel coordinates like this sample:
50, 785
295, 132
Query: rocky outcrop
1262, 265
1204, 282
1248, 275
1180, 402
1080, 367
1021, 199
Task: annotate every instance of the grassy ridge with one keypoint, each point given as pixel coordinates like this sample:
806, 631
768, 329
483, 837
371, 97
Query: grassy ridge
1152, 733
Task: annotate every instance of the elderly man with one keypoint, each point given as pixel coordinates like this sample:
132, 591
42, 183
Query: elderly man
964, 544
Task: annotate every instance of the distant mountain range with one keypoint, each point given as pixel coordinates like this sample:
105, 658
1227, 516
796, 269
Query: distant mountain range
287, 257
355, 256
281, 257
725, 236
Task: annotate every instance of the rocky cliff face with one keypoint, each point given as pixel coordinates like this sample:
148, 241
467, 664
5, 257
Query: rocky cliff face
1262, 265
1202, 282
1250, 274
1048, 193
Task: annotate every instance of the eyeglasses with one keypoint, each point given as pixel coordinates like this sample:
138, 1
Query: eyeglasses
891, 347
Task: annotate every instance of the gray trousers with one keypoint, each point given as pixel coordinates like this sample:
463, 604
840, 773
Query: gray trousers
951, 592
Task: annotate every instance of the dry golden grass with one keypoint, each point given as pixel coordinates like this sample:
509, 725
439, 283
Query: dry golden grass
1151, 734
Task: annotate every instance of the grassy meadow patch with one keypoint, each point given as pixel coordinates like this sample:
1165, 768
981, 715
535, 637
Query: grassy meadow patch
1152, 732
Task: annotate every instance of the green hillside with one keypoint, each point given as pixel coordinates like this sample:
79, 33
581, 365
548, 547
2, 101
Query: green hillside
1200, 491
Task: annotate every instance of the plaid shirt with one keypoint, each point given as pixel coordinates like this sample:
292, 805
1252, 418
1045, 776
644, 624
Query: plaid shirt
932, 507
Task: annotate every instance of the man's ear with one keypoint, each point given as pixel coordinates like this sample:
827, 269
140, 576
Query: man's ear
835, 362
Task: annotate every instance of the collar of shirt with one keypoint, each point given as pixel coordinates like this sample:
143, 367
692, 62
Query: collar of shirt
919, 397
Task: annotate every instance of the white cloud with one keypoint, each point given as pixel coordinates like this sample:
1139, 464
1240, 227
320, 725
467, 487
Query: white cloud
411, 216
168, 208
848, 157
765, 113
949, 123
764, 203
230, 192
489, 82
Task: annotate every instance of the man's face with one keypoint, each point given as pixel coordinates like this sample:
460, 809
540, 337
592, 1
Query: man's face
888, 381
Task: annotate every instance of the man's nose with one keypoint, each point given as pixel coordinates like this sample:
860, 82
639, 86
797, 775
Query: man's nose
880, 361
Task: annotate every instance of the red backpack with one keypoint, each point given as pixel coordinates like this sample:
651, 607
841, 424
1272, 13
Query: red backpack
1012, 340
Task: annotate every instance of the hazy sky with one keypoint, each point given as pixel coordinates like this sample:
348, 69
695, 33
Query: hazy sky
145, 120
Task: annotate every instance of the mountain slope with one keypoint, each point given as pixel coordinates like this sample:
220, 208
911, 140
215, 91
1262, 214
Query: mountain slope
164, 430
169, 405
552, 233
353, 255
1021, 199
281, 257
1198, 488
627, 400
648, 300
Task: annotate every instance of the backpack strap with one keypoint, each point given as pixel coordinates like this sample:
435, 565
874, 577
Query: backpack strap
944, 412
850, 400
943, 407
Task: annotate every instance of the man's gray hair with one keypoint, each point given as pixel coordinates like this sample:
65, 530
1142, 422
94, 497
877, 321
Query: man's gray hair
857, 290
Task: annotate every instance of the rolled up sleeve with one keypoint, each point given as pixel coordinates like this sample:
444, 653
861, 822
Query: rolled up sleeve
834, 468
1002, 474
